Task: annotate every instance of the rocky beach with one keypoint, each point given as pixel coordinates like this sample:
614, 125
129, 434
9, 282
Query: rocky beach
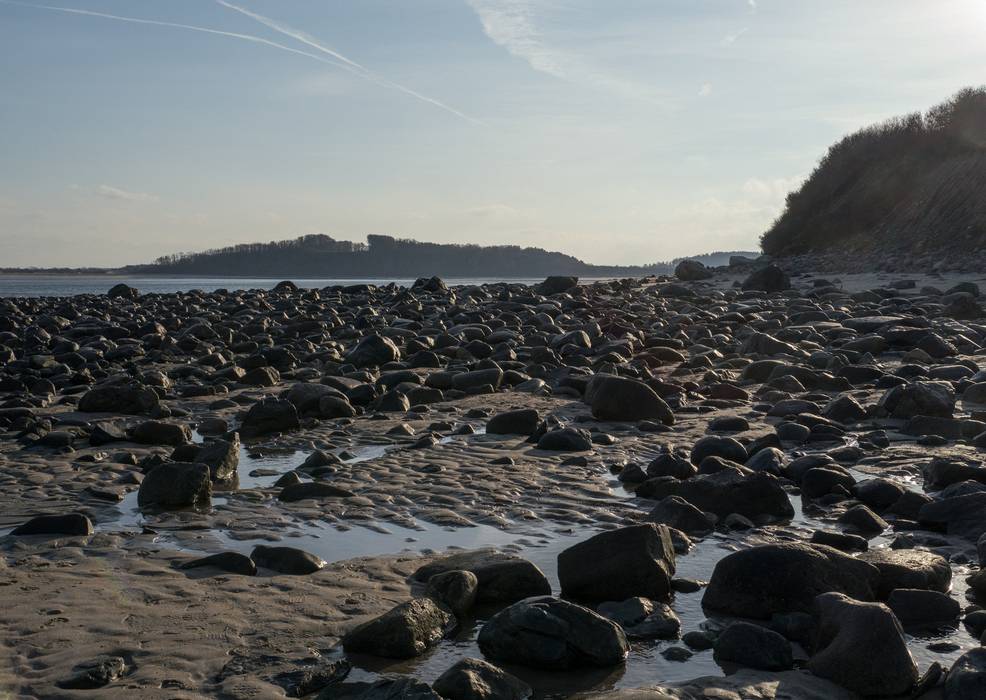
754, 482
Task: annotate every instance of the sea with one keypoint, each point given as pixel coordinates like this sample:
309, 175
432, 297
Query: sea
41, 285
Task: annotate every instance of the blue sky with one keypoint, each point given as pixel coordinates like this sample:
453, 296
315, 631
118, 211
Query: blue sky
624, 131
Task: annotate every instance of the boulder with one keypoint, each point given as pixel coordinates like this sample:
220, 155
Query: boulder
861, 647
767, 279
70, 524
231, 562
566, 440
403, 632
908, 568
156, 432
269, 416
745, 684
616, 564
373, 351
473, 679
678, 513
616, 398
557, 284
916, 608
130, 399
523, 421
548, 633
692, 271
176, 485
918, 399
753, 646
456, 590
501, 578
286, 560
967, 678
778, 578
758, 496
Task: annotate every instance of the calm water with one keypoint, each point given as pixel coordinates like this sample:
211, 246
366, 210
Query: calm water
69, 285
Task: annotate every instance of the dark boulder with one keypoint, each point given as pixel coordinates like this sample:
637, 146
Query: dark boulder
777, 578
70, 524
176, 485
286, 560
547, 633
403, 632
617, 564
502, 578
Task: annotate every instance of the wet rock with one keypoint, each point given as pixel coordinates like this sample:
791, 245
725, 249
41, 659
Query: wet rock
745, 684
768, 279
386, 689
221, 456
616, 398
753, 646
966, 678
758, 497
760, 581
557, 284
715, 446
123, 291
106, 432
915, 607
552, 634
473, 679
502, 578
841, 541
403, 632
231, 562
456, 590
642, 618
130, 399
155, 432
692, 271
286, 560
678, 513
861, 647
269, 416
908, 568
566, 440
523, 421
261, 377
176, 485
70, 524
919, 399
631, 561
862, 519
373, 351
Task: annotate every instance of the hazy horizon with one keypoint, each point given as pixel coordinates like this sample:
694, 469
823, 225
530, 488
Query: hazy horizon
622, 134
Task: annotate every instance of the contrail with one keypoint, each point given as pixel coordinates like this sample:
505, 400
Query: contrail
190, 27
353, 67
336, 60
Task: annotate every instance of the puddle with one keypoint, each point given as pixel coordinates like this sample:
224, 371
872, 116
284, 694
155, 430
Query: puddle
539, 543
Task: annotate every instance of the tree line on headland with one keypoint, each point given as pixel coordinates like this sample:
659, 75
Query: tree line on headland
383, 257
915, 182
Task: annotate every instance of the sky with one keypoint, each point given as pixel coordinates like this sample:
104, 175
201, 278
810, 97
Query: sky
619, 131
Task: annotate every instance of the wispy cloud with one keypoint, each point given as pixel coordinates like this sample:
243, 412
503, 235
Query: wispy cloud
348, 64
705, 90
731, 39
752, 4
511, 24
116, 193
329, 57
515, 26
110, 192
